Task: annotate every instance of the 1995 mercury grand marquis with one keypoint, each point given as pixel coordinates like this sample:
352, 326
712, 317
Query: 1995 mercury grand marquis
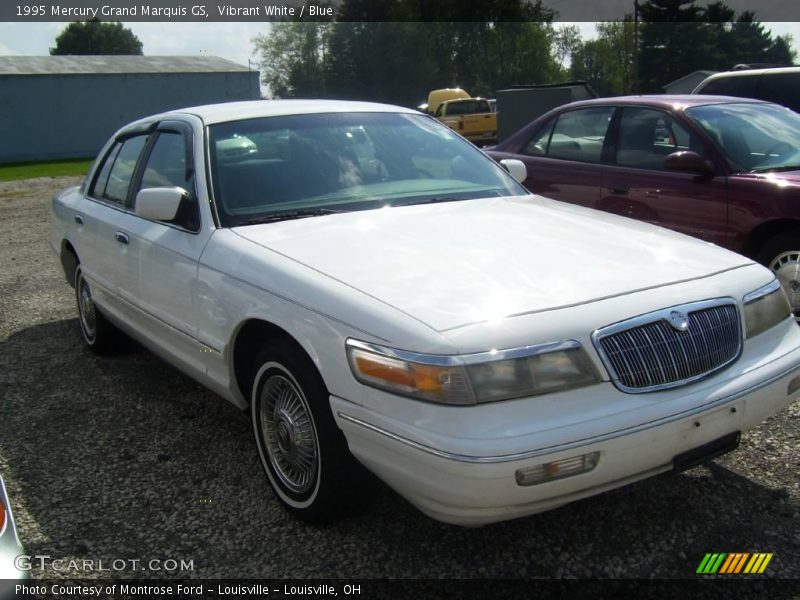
372, 287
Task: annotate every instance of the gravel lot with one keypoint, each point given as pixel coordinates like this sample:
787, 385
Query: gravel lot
127, 458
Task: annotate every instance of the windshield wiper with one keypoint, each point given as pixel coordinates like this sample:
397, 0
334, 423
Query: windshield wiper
432, 201
775, 169
288, 215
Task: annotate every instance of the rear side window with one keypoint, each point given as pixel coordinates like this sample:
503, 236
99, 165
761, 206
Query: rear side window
781, 88
114, 179
580, 134
741, 86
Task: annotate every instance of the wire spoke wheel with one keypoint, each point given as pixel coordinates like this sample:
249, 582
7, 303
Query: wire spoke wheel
87, 310
288, 434
786, 267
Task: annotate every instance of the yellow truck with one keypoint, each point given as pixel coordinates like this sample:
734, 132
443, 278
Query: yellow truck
436, 97
471, 117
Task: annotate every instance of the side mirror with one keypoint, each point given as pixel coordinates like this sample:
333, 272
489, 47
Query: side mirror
160, 203
686, 160
516, 168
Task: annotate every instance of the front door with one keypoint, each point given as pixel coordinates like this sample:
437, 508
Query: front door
636, 185
170, 251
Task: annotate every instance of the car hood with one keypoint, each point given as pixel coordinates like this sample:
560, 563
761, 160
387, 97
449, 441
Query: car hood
459, 263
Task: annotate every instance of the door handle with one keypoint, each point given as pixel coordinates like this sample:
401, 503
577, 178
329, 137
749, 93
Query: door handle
122, 238
620, 191
78, 219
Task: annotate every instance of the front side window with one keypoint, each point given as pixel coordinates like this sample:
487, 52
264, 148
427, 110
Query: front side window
755, 138
537, 145
264, 167
580, 134
647, 136
166, 167
114, 179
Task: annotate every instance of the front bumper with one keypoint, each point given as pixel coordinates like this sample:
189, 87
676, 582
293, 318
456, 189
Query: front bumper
438, 474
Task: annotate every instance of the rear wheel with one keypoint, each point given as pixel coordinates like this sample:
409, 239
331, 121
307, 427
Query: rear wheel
98, 333
302, 451
782, 255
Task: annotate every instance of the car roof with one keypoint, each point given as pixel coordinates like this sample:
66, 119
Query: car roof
666, 101
236, 111
751, 72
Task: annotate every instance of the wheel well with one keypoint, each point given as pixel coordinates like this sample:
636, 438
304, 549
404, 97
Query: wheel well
69, 261
764, 232
251, 337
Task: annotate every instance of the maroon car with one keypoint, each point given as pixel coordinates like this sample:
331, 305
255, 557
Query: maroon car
722, 169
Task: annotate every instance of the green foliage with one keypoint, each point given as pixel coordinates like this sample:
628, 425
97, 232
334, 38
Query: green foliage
294, 58
48, 169
398, 50
680, 36
380, 50
606, 63
94, 37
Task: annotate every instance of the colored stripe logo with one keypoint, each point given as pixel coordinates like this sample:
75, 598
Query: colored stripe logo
734, 563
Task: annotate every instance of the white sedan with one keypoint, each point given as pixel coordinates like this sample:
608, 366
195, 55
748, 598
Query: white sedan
375, 290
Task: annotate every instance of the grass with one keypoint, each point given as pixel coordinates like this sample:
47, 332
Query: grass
44, 169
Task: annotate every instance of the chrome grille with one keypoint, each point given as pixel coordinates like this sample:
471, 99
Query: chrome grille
649, 353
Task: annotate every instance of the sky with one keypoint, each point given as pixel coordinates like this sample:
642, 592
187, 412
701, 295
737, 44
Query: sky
232, 41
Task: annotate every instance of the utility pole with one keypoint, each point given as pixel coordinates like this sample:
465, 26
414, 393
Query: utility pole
636, 46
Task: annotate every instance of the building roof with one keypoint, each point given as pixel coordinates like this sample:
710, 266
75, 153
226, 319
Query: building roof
94, 64
702, 73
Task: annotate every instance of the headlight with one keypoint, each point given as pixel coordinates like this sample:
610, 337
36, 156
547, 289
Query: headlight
765, 308
473, 378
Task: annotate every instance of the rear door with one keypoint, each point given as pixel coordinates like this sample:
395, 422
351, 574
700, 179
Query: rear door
112, 264
565, 158
636, 185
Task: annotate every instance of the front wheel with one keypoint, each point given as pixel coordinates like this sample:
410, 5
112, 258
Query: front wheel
302, 451
782, 255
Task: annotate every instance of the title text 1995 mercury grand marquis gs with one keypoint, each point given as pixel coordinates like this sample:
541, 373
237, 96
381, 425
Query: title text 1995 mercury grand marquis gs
371, 286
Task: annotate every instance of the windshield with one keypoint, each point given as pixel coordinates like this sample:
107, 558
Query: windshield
307, 165
755, 138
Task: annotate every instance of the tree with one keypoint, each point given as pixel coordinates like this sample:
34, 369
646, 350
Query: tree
679, 37
755, 45
381, 51
294, 58
566, 42
606, 63
398, 50
673, 43
94, 37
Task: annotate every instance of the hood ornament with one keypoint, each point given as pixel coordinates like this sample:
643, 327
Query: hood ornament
679, 320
